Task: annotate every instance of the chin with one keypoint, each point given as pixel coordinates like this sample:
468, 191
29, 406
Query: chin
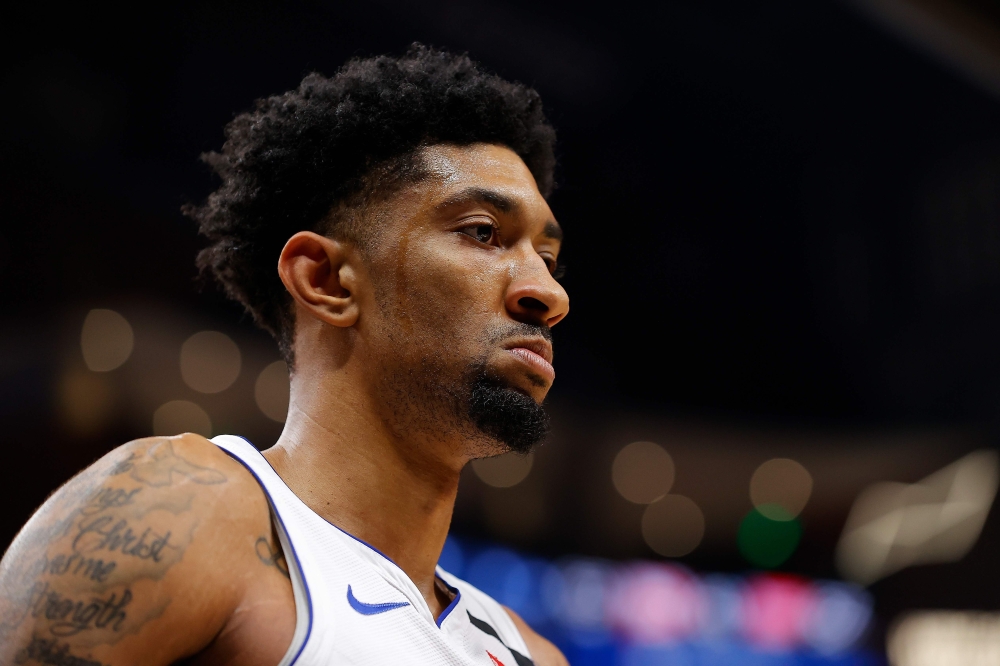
510, 416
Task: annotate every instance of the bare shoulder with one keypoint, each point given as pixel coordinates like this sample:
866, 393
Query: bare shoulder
140, 558
543, 652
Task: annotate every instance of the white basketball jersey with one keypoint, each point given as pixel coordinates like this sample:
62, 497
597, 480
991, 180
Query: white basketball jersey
355, 606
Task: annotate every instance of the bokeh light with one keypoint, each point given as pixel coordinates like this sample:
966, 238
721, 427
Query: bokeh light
210, 361
653, 603
840, 616
722, 607
643, 472
106, 340
765, 542
271, 391
599, 612
774, 607
179, 416
894, 525
86, 401
673, 526
577, 593
504, 471
945, 638
780, 488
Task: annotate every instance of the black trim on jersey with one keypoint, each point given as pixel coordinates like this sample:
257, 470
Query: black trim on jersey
487, 629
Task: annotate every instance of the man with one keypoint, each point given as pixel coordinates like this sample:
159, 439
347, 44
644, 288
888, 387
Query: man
402, 202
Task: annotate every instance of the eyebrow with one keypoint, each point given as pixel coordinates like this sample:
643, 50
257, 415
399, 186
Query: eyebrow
501, 202
553, 231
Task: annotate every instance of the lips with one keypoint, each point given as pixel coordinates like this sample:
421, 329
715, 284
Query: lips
536, 353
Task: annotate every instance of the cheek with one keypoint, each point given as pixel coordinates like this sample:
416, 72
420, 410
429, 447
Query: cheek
452, 296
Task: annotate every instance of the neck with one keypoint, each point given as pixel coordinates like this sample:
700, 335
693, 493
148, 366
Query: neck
339, 457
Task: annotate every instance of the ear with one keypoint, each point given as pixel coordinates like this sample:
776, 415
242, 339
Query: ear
321, 275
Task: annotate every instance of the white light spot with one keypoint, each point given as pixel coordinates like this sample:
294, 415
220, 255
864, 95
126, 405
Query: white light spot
780, 488
179, 416
504, 471
106, 340
945, 638
938, 519
210, 362
643, 472
271, 391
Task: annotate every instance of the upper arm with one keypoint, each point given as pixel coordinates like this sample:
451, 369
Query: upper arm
123, 564
543, 652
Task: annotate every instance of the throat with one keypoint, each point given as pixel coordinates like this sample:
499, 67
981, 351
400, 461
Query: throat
376, 496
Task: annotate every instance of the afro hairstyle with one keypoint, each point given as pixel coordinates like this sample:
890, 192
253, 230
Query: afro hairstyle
335, 142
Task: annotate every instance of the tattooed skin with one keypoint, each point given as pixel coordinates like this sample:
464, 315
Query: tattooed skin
162, 467
83, 572
271, 556
51, 652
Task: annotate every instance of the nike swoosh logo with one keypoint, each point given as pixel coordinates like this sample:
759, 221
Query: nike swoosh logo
372, 609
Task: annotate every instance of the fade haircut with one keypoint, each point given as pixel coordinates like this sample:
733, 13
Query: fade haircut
314, 157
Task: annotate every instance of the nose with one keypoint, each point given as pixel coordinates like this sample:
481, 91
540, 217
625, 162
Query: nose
536, 298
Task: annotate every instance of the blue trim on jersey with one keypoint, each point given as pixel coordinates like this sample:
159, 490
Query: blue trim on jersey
372, 609
341, 529
454, 602
444, 614
298, 565
365, 543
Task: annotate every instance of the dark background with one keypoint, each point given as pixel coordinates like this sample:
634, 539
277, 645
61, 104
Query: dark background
781, 228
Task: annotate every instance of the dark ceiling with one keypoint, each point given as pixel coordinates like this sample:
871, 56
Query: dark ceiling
775, 211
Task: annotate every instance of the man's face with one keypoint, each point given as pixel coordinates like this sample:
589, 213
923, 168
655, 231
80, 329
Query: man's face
465, 300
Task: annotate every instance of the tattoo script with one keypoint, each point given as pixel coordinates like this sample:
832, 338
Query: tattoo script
51, 652
76, 564
107, 533
108, 498
76, 569
71, 616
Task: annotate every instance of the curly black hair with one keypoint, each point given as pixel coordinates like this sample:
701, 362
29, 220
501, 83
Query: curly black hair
305, 159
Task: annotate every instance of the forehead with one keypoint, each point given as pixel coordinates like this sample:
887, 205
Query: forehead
484, 166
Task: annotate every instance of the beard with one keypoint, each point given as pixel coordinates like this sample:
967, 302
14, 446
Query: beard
508, 417
475, 406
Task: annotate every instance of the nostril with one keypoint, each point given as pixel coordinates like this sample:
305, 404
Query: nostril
533, 304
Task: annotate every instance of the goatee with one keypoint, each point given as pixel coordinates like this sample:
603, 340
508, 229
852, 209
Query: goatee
506, 415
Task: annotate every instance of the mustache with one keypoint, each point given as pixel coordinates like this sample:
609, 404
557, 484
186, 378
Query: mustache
511, 330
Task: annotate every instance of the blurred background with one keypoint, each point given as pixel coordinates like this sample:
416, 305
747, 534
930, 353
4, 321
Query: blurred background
778, 406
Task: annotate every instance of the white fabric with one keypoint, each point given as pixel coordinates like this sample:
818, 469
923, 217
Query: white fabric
323, 561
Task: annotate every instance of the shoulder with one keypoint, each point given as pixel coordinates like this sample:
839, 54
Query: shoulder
159, 536
169, 461
543, 652
189, 473
187, 465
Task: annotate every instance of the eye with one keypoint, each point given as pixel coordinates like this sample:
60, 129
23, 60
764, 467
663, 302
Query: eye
555, 268
483, 233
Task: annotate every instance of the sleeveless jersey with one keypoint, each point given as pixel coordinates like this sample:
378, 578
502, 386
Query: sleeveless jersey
355, 606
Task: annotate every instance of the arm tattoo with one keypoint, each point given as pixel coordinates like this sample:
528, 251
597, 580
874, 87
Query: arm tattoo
160, 466
79, 569
51, 652
271, 557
